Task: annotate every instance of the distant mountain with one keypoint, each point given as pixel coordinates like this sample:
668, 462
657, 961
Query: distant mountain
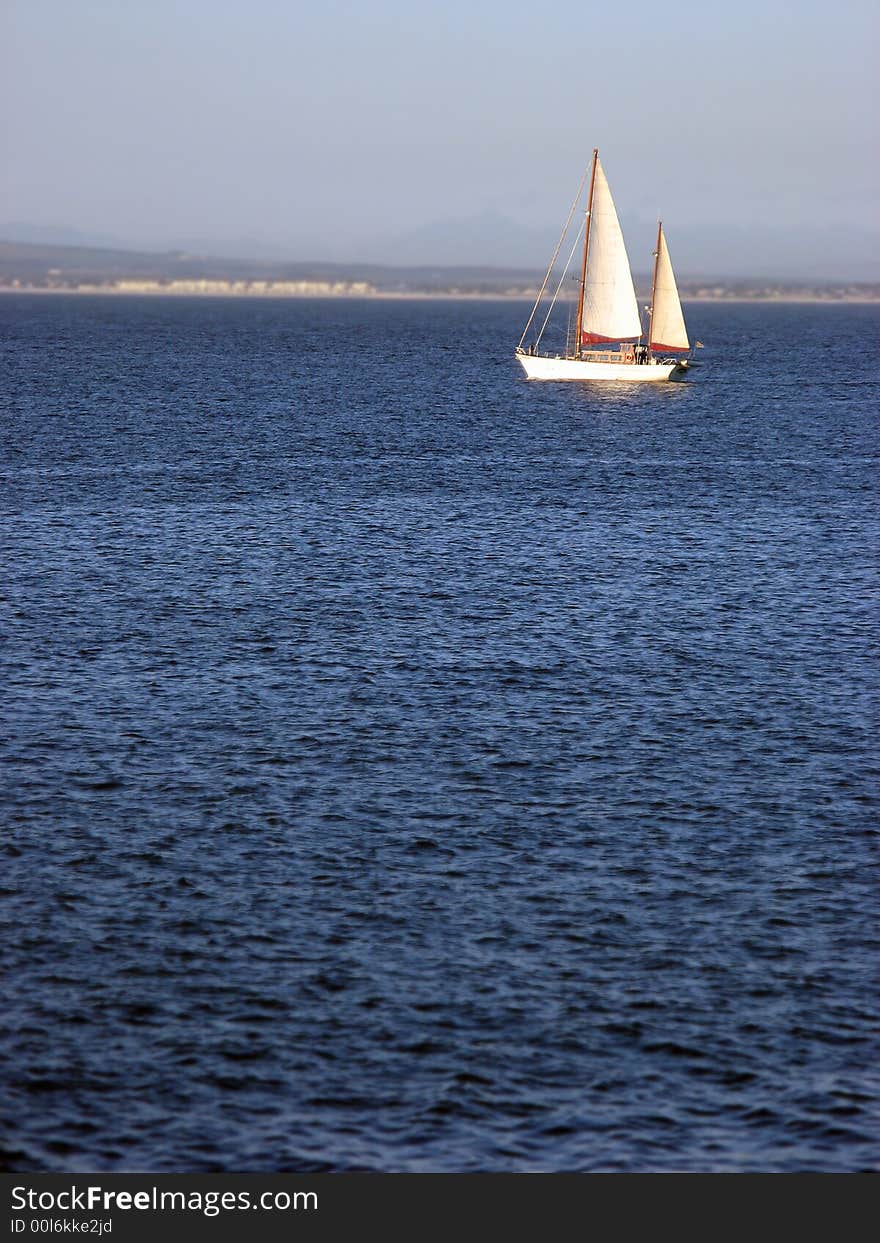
54, 235
811, 252
487, 239
224, 248
48, 266
28, 265
246, 247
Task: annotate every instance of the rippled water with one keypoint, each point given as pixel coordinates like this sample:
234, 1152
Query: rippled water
410, 768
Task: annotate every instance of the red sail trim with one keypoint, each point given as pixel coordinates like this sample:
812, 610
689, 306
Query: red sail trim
593, 338
670, 349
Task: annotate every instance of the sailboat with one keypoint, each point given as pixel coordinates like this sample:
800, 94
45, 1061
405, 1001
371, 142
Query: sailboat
607, 310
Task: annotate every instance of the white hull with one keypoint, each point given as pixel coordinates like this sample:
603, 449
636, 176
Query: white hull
538, 367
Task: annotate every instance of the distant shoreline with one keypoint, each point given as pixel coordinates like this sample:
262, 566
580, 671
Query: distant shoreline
387, 295
47, 269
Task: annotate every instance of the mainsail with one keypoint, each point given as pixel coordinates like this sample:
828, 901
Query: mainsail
611, 312
667, 331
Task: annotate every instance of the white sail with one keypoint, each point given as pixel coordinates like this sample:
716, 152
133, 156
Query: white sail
667, 321
611, 312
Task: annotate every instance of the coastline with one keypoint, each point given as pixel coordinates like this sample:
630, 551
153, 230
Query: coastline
355, 293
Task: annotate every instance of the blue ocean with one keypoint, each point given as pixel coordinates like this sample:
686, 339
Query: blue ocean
410, 768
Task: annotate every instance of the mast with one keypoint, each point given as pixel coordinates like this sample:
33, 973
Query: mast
654, 284
579, 323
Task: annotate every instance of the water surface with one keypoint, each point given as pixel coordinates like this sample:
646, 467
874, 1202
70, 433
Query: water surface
410, 768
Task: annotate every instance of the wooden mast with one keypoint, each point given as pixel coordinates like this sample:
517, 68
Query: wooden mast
579, 325
654, 284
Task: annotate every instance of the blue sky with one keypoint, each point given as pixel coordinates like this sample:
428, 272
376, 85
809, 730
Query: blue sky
412, 130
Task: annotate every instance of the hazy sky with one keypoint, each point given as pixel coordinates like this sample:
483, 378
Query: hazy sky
350, 130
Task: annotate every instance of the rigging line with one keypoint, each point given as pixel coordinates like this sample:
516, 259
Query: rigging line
580, 191
561, 279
